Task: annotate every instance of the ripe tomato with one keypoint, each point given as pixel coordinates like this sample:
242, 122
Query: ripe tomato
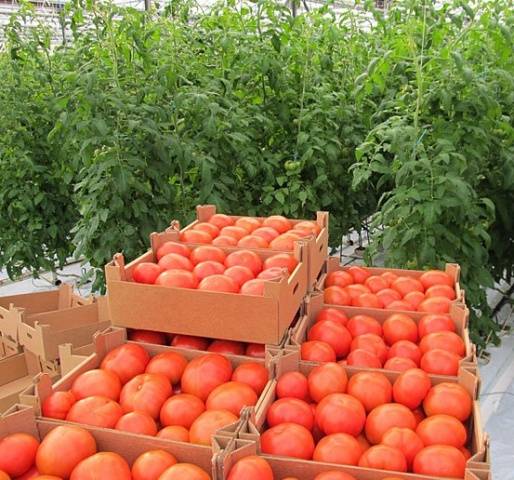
363, 442
126, 361
177, 279
326, 379
371, 389
184, 471
435, 323
169, 364
195, 236
253, 287
290, 410
273, 273
288, 440
96, 411
239, 274
449, 399
361, 324
356, 290
227, 347
340, 278
376, 283
278, 223
363, 358
203, 374
400, 327
30, 474
317, 351
372, 343
340, 413
58, 404
435, 305
267, 233
440, 362
174, 432
384, 457
173, 247
146, 393
221, 220
336, 296
402, 305
147, 336
246, 258
284, 242
208, 268
405, 349
208, 423
206, 227
388, 296
414, 299
137, 422
97, 382
399, 364
411, 388
419, 415
442, 430
333, 333
440, 461
466, 453
207, 253
448, 341
146, 272
190, 342
224, 241
333, 475
235, 232
441, 291
252, 241
256, 350
405, 440
219, 283
333, 314
251, 468
281, 260
308, 225
293, 384
389, 277
151, 464
367, 300
102, 465
387, 416
435, 277
174, 261
63, 448
231, 396
182, 410
338, 448
405, 285
253, 374
359, 274
17, 453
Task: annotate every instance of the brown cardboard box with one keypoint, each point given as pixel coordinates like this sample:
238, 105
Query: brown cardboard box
229, 316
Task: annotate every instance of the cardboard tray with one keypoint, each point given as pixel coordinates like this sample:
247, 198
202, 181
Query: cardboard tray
227, 316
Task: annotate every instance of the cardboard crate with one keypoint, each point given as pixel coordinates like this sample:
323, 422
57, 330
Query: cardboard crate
228, 316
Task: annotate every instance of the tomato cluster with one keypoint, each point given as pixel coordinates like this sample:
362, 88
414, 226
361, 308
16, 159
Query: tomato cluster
408, 425
398, 344
355, 286
70, 451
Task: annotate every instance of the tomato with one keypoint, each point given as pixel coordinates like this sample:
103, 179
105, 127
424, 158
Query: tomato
182, 410
174, 261
126, 361
384, 457
146, 393
448, 341
399, 305
256, 350
227, 346
137, 422
173, 247
239, 274
293, 384
206, 227
400, 327
208, 423
414, 299
17, 453
235, 232
251, 468
339, 278
338, 448
440, 362
147, 336
278, 223
387, 416
231, 396
288, 440
170, 364
253, 287
151, 464
184, 471
225, 241
308, 225
146, 272
411, 388
177, 279
465, 452
203, 374
388, 296
97, 382
57, 405
363, 358
208, 268
449, 399
405, 285
441, 291
284, 242
435, 323
219, 283
405, 440
207, 253
372, 343
252, 241
290, 410
435, 305
96, 411
246, 258
195, 236
332, 314
272, 273
326, 379
333, 333
399, 364
435, 277
333, 475
221, 220
102, 465
419, 415
376, 283
175, 433
367, 300
267, 233
371, 389
405, 349
340, 413
363, 442
389, 277
361, 324
281, 260
358, 274
317, 351
337, 296
440, 461
190, 342
30, 474
63, 448
253, 374
356, 290
442, 430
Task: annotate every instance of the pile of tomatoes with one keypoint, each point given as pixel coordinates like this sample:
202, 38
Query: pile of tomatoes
408, 425
355, 286
211, 269
398, 344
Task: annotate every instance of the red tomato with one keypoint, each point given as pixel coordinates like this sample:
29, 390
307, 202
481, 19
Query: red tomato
181, 410
253, 287
340, 413
147, 336
411, 388
58, 404
284, 242
195, 236
151, 464
239, 274
184, 471
190, 342
414, 299
146, 393
465, 452
372, 343
440, 461
175, 433
227, 346
359, 274
172, 247
290, 410
174, 261
288, 440
399, 364
207, 253
219, 283
251, 468
281, 260
293, 384
208, 268
371, 389
317, 351
170, 364
72, 444
308, 225
405, 440
333, 475
405, 285
17, 453
363, 358
389, 277
231, 396
419, 415
333, 333
435, 305
267, 233
137, 422
376, 283
203, 374
208, 423
356, 290
31, 474
246, 258
225, 241
221, 220
384, 457
177, 279
440, 362
399, 305
97, 382
435, 323
448, 341
336, 296
388, 296
206, 227
449, 399
102, 465
361, 324
441, 291
96, 411
253, 374
442, 430
256, 350
387, 416
367, 300
332, 314
235, 232
338, 448
272, 273
339, 278
435, 277
252, 241
278, 223
400, 327
363, 442
405, 349
326, 379
146, 272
